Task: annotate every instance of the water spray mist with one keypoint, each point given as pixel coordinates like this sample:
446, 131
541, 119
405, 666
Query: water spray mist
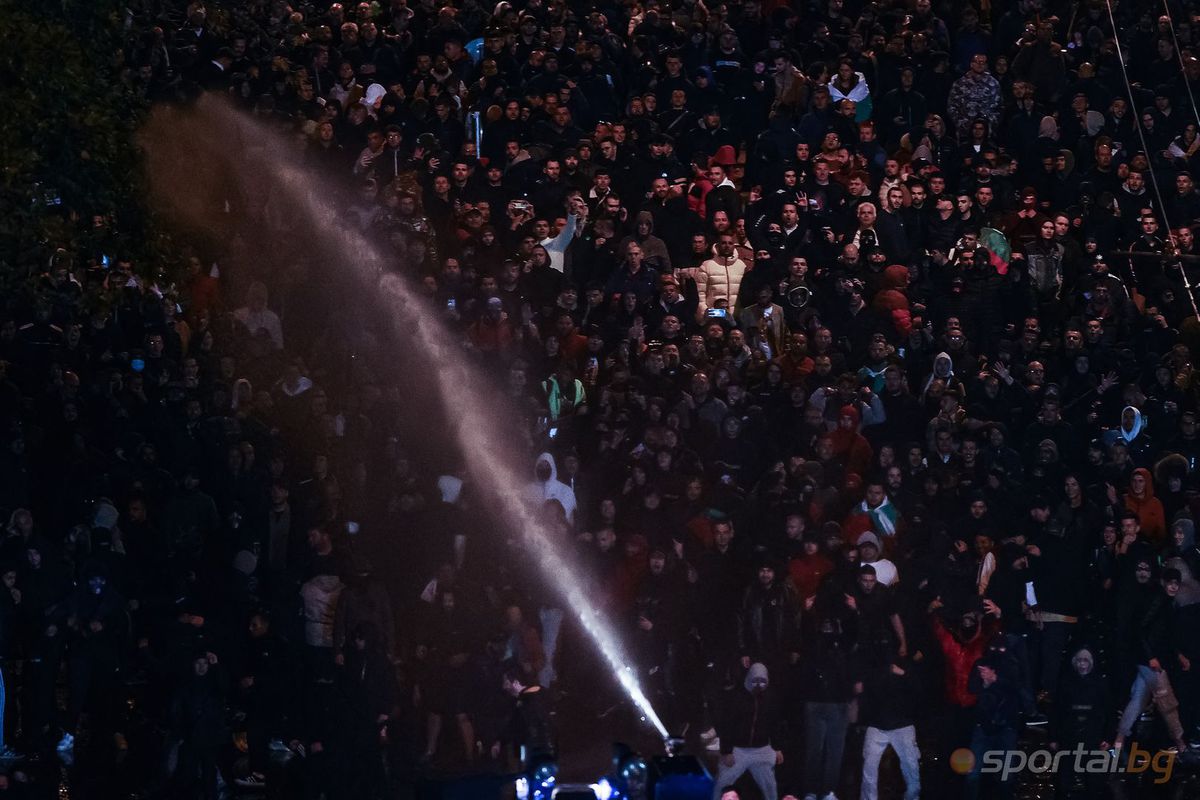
475, 430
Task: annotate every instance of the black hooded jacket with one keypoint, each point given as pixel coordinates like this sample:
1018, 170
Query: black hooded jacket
1081, 713
828, 667
748, 719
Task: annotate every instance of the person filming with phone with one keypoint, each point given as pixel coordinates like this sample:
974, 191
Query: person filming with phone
721, 276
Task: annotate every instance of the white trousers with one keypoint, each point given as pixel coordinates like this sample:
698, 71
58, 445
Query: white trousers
904, 742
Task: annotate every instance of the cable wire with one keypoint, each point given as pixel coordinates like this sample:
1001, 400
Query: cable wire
1182, 66
1137, 121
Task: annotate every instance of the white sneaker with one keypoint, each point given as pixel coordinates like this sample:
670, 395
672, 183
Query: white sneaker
810, 796
714, 745
67, 742
708, 735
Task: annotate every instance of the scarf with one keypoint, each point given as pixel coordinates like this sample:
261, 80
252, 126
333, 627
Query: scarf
883, 518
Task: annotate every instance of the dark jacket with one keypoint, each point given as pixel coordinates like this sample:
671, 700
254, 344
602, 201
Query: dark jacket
1081, 712
369, 686
890, 701
198, 712
997, 707
530, 723
828, 668
767, 622
748, 720
1156, 640
1060, 572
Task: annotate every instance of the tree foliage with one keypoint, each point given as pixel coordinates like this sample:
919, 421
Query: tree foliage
67, 147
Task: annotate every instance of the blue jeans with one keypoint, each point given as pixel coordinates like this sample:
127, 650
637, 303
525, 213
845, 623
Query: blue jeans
825, 726
1150, 685
981, 742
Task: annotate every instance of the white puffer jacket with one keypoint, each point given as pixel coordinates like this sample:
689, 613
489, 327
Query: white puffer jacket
719, 277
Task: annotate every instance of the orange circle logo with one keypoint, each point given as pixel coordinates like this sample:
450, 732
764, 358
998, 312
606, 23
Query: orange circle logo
962, 761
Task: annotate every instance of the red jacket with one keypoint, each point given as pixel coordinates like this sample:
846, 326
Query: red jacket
806, 573
490, 336
1149, 509
203, 293
960, 658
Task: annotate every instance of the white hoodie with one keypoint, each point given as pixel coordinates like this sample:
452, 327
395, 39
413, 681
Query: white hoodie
537, 492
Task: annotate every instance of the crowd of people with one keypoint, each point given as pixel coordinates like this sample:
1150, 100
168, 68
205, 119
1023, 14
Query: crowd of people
848, 345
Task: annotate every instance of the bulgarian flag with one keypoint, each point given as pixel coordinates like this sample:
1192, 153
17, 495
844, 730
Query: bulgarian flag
883, 517
999, 250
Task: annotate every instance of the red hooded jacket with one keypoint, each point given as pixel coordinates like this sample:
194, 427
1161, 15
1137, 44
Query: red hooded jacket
960, 658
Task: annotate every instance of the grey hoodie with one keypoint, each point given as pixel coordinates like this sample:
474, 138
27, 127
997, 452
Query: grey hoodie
652, 246
756, 673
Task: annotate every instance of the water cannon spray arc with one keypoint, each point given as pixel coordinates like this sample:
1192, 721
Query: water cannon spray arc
475, 428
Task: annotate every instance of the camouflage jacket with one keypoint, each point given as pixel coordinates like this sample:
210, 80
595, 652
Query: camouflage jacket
974, 96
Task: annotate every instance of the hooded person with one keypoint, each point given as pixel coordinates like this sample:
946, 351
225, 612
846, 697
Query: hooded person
1132, 432
870, 551
747, 730
892, 299
1140, 500
633, 566
808, 568
943, 369
827, 674
1171, 478
1047, 468
546, 486
997, 452
1081, 715
963, 641
850, 445
1048, 129
1185, 555
105, 515
654, 249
